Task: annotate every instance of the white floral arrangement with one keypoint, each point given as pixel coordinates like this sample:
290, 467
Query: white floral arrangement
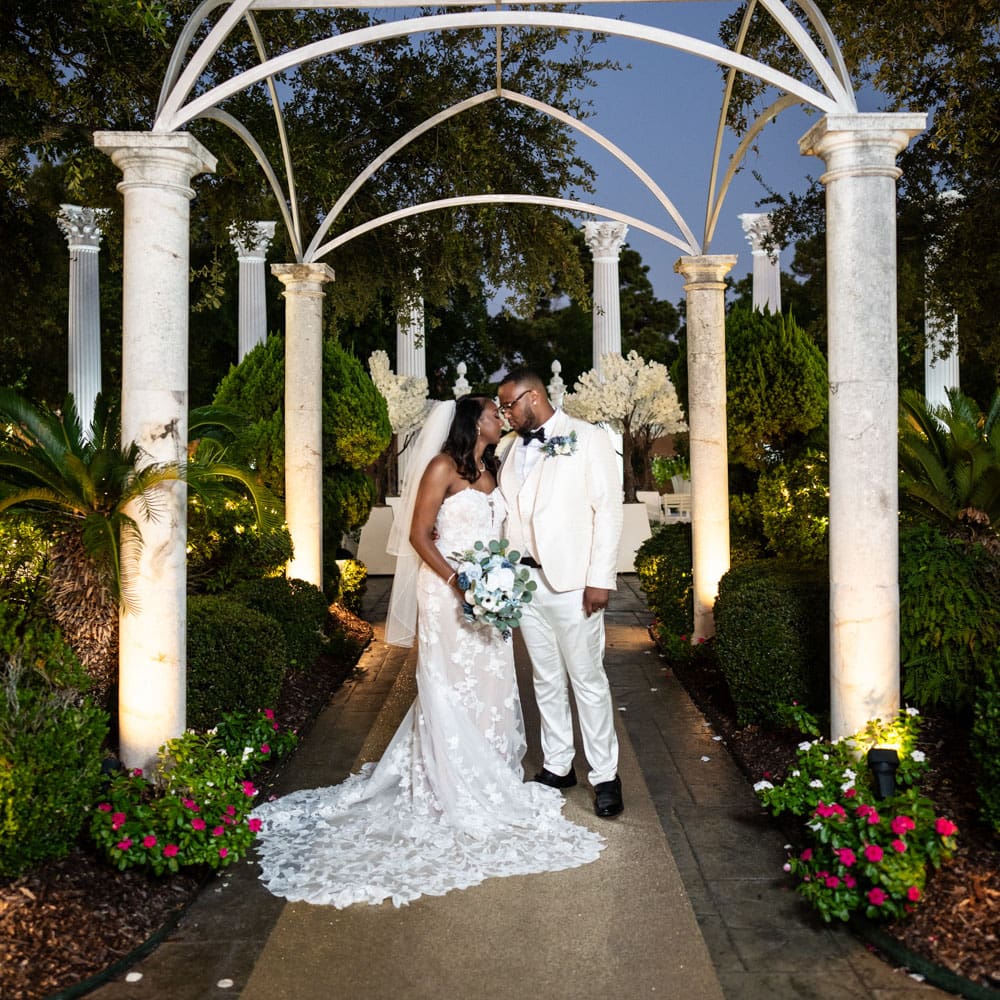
405, 395
629, 394
560, 444
495, 588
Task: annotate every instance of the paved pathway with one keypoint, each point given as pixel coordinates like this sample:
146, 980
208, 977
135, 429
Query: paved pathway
687, 901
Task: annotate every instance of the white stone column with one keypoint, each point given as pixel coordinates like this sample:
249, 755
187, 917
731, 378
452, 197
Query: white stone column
158, 169
251, 250
605, 240
411, 359
766, 268
304, 415
941, 368
706, 349
860, 151
82, 229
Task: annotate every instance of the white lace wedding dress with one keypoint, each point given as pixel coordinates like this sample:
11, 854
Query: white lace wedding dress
447, 806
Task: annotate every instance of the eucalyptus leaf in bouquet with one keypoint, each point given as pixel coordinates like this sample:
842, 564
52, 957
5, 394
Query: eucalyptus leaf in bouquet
496, 588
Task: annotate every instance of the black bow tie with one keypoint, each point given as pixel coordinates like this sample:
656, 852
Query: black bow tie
529, 436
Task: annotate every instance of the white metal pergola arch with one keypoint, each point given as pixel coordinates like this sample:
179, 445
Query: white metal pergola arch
859, 151
178, 108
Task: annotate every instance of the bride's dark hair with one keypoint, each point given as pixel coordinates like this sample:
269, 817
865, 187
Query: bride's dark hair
461, 441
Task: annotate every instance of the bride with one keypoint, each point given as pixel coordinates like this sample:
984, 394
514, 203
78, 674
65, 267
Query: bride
447, 805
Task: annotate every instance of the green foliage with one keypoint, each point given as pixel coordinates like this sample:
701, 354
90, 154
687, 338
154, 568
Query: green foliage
193, 810
746, 531
795, 510
356, 430
985, 745
235, 659
865, 854
950, 460
226, 544
50, 744
23, 548
297, 606
949, 602
776, 386
772, 637
663, 565
353, 583
664, 468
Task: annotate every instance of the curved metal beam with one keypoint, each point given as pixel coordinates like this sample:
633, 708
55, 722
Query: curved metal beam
224, 118
175, 114
500, 199
518, 98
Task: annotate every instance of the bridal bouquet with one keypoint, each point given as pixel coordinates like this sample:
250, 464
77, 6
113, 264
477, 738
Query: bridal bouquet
495, 589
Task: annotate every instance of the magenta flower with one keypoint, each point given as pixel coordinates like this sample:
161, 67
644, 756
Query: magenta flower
254, 825
873, 852
268, 713
248, 789
806, 855
223, 851
275, 727
850, 881
230, 810
832, 882
198, 823
945, 827
913, 894
899, 846
117, 820
265, 748
873, 818
833, 809
845, 856
864, 809
137, 772
902, 825
170, 851
850, 793
191, 804
877, 896
218, 831
124, 845
105, 807
149, 842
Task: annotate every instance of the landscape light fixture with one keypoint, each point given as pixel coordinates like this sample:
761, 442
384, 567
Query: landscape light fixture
883, 762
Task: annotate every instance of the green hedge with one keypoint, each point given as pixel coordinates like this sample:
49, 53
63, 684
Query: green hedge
949, 597
236, 659
300, 608
772, 638
985, 744
663, 565
50, 744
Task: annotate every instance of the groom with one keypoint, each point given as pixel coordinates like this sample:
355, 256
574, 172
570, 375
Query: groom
564, 498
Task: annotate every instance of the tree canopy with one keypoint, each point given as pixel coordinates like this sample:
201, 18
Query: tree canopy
943, 59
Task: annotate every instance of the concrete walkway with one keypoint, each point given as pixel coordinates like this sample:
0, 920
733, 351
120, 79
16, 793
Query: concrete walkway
688, 899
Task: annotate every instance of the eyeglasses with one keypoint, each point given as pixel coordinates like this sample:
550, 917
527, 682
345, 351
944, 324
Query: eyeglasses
507, 407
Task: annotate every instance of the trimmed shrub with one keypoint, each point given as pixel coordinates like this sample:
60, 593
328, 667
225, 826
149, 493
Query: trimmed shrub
794, 501
949, 596
50, 744
299, 607
23, 548
353, 584
235, 659
772, 638
663, 565
225, 544
985, 746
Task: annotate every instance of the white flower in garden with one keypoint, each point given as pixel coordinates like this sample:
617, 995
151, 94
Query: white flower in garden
762, 786
405, 395
918, 755
805, 746
815, 783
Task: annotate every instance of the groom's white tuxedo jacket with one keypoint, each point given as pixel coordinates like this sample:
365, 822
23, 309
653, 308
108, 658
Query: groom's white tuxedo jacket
567, 513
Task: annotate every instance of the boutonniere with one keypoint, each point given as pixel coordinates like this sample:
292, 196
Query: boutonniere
561, 444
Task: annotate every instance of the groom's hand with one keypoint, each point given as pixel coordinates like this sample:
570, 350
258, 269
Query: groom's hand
594, 599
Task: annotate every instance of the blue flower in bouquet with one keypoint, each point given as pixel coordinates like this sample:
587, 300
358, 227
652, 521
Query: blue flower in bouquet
561, 444
496, 588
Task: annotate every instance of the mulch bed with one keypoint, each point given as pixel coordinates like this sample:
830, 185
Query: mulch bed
67, 921
957, 924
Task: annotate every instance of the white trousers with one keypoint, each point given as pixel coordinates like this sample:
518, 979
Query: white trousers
567, 648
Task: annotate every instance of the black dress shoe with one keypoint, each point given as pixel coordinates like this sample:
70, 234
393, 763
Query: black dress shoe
546, 777
608, 797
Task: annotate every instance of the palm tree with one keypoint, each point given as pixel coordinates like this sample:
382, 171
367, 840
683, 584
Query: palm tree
79, 487
949, 458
